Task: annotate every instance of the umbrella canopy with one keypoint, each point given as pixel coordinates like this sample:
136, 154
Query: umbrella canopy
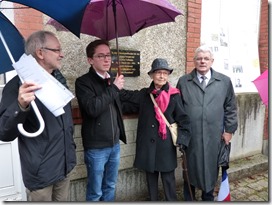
68, 12
102, 17
261, 84
14, 41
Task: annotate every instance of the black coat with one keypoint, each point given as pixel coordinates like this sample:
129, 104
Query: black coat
47, 158
97, 98
152, 152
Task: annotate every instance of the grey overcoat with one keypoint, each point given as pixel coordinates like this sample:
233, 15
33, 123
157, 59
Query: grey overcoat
211, 112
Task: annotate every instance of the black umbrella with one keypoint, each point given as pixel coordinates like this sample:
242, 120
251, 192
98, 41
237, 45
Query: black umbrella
224, 154
223, 162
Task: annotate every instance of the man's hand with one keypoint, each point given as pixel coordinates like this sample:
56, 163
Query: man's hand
26, 93
227, 137
119, 81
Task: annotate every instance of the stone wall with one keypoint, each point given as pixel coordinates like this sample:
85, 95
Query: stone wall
131, 185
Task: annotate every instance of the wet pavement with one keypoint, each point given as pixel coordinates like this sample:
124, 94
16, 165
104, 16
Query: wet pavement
252, 188
248, 181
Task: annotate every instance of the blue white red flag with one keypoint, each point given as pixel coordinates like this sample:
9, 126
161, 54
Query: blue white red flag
224, 190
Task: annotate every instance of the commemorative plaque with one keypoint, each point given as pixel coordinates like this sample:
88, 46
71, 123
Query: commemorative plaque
129, 62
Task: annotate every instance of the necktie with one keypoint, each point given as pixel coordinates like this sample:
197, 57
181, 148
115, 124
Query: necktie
203, 83
58, 75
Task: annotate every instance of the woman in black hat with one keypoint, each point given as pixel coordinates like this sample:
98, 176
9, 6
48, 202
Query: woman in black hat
155, 151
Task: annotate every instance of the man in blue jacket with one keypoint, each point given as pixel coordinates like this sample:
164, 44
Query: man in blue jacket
46, 160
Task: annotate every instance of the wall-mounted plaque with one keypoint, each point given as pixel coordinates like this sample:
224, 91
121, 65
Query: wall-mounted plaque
129, 62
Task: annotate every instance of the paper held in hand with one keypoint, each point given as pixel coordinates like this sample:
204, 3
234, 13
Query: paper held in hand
52, 94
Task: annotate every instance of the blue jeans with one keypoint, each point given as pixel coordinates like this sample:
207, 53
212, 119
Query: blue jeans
102, 169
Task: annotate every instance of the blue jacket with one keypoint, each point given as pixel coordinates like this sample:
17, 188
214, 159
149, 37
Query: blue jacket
47, 158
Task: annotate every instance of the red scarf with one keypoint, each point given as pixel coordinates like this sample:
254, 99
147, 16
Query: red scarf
163, 101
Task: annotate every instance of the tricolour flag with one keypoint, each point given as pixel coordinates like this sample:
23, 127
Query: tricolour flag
224, 191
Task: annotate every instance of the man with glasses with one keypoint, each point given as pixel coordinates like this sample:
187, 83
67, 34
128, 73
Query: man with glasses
102, 126
46, 160
209, 100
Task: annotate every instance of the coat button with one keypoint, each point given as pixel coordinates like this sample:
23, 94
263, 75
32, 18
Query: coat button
152, 140
152, 125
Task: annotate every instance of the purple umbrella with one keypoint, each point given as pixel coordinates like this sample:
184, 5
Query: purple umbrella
109, 19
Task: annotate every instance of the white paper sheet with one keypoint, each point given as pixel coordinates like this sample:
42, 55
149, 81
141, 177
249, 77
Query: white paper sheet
52, 94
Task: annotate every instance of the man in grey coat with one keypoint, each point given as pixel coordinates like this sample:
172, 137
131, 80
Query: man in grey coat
209, 100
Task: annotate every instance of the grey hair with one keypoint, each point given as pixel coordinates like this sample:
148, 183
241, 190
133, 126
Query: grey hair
203, 48
36, 41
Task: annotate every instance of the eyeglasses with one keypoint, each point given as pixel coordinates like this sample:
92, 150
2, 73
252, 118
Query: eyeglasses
203, 59
59, 50
102, 56
161, 73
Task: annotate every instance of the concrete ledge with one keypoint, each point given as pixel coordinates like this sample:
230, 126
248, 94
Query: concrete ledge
247, 166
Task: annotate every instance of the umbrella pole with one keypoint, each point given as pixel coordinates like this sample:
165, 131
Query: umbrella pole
118, 61
116, 35
33, 104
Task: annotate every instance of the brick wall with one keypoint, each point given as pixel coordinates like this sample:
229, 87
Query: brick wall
27, 20
263, 36
193, 31
263, 50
